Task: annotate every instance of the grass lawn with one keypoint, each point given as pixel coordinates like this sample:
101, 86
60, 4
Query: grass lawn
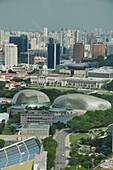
7, 131
62, 89
77, 136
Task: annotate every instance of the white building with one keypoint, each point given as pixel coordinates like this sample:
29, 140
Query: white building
45, 31
10, 55
87, 51
104, 72
33, 43
110, 47
73, 82
40, 161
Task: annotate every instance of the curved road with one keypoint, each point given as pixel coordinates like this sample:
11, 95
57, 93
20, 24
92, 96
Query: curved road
61, 158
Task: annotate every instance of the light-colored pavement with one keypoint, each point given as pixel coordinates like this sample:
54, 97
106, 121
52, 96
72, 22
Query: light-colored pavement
62, 154
68, 147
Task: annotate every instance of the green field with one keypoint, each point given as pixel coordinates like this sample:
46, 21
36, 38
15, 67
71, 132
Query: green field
7, 131
77, 136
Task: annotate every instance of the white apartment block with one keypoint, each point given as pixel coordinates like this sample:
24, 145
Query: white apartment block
33, 43
110, 47
10, 55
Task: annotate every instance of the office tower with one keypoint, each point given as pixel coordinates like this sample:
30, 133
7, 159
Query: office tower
22, 42
61, 39
98, 50
98, 32
87, 51
110, 47
10, 55
33, 43
80, 36
45, 32
91, 38
78, 51
77, 36
27, 57
2, 34
53, 57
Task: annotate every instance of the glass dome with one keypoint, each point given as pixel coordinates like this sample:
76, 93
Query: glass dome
30, 97
81, 101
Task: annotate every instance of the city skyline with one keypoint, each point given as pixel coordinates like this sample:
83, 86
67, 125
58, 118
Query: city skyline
33, 15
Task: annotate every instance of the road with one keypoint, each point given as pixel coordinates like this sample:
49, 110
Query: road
61, 158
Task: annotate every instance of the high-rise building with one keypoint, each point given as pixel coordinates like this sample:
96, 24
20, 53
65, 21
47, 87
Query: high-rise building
10, 55
45, 32
87, 51
78, 51
22, 42
53, 57
33, 43
110, 47
98, 32
98, 50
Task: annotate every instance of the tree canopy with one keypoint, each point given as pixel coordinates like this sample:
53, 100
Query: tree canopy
50, 146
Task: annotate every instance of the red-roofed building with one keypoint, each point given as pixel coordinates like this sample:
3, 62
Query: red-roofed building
12, 84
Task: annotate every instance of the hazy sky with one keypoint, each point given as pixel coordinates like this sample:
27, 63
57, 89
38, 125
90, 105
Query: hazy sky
33, 15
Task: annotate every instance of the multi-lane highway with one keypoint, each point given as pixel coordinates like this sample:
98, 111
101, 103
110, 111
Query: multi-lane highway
61, 157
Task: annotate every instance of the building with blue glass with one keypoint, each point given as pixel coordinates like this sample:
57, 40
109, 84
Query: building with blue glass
22, 43
53, 56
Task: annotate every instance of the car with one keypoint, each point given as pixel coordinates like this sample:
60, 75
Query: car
62, 154
67, 148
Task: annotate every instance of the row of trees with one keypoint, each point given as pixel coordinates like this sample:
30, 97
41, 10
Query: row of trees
50, 146
2, 125
101, 61
91, 120
54, 93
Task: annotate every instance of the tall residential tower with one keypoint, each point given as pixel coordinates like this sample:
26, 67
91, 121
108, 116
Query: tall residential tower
10, 55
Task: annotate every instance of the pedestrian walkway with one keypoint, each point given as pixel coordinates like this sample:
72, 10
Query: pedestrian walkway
67, 146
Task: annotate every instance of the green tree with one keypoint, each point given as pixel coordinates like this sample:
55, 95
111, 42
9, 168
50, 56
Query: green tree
2, 85
17, 79
52, 130
2, 125
50, 146
15, 118
2, 143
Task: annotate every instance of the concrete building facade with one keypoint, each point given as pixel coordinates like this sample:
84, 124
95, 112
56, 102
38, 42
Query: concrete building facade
10, 55
78, 51
98, 50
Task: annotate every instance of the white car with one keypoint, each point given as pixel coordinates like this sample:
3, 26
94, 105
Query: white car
63, 155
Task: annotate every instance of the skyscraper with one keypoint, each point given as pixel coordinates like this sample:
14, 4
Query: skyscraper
21, 42
53, 57
45, 31
98, 50
10, 55
110, 47
78, 51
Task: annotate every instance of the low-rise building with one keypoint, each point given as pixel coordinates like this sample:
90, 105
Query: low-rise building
102, 72
39, 130
40, 161
67, 81
83, 83
35, 116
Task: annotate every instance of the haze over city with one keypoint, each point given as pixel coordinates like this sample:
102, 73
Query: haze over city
34, 15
